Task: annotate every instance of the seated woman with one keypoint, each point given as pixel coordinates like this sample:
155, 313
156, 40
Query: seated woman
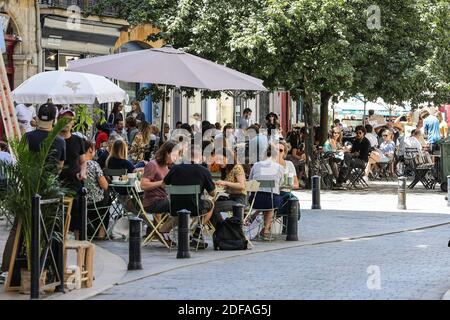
233, 181
268, 169
118, 160
334, 144
289, 170
384, 154
156, 200
140, 143
118, 157
96, 193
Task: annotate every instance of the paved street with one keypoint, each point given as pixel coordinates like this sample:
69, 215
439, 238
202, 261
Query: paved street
411, 265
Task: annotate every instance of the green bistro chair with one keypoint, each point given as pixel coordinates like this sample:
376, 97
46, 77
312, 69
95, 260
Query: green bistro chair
188, 190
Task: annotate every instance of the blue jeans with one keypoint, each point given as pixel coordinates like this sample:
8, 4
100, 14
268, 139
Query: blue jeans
286, 196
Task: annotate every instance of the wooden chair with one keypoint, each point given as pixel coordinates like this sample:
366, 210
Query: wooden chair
84, 250
85, 261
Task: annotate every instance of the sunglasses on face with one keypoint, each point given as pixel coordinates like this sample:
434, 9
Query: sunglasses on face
281, 150
359, 132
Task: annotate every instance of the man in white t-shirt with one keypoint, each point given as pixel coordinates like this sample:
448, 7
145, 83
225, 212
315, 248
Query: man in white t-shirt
26, 116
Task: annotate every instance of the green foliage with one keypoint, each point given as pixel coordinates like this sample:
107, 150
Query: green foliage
32, 174
85, 117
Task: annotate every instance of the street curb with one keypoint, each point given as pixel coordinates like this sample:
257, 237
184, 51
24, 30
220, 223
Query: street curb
113, 269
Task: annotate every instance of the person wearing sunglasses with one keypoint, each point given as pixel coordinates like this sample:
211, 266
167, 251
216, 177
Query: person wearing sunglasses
382, 155
291, 182
356, 157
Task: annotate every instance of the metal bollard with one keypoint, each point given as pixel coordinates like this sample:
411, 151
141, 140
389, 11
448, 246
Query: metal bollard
35, 246
59, 251
401, 193
315, 192
238, 211
448, 191
83, 214
183, 234
292, 220
134, 262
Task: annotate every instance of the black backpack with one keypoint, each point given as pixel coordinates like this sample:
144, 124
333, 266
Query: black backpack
229, 235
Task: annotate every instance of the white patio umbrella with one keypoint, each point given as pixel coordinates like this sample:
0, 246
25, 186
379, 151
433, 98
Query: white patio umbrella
167, 66
66, 87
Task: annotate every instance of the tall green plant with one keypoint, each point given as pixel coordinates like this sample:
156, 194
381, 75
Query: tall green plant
32, 173
84, 118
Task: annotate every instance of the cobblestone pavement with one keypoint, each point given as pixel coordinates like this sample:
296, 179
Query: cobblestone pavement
411, 265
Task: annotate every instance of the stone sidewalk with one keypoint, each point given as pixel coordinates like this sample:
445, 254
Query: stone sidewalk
365, 209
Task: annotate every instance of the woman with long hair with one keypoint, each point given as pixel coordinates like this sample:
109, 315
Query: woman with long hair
96, 185
272, 123
118, 158
156, 200
136, 112
116, 113
141, 142
232, 180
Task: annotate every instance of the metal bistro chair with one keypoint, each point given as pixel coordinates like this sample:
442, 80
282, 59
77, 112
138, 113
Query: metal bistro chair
116, 209
268, 184
188, 190
100, 213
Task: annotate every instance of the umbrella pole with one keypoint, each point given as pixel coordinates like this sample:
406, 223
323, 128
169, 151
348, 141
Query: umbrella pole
163, 107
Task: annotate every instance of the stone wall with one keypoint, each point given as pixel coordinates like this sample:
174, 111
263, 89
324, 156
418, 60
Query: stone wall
23, 20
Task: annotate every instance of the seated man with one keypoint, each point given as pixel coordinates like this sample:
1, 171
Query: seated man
357, 157
191, 174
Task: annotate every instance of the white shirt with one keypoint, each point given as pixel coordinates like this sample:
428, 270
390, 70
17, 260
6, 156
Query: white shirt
268, 170
412, 142
373, 139
24, 116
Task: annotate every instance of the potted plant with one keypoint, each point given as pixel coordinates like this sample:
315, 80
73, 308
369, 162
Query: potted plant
30, 174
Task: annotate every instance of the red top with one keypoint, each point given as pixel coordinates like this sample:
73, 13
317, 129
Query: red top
101, 137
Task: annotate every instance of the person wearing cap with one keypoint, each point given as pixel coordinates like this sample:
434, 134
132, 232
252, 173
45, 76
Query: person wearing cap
75, 167
46, 119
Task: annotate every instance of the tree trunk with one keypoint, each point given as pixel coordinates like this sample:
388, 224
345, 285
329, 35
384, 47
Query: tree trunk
309, 137
324, 128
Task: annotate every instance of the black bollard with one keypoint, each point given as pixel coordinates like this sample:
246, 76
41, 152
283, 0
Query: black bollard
83, 214
183, 234
35, 246
134, 260
238, 211
292, 220
315, 192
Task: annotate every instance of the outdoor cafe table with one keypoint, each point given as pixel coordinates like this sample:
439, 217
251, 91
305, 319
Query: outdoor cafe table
133, 195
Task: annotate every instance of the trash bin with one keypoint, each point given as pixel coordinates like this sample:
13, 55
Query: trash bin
444, 163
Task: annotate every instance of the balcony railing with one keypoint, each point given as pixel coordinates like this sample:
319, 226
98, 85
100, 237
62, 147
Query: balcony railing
84, 5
